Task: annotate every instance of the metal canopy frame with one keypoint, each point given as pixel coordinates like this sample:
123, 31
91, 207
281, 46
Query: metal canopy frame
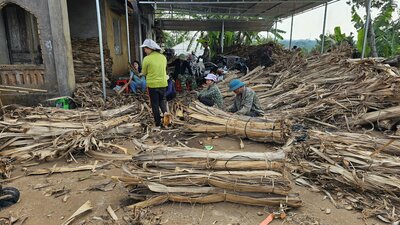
236, 8
260, 15
213, 25
126, 5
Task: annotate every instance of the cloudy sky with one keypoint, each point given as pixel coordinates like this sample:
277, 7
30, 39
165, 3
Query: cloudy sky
309, 25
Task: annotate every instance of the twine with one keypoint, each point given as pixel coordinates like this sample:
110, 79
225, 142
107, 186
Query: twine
245, 127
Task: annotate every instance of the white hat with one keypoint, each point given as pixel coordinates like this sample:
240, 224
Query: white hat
212, 77
150, 44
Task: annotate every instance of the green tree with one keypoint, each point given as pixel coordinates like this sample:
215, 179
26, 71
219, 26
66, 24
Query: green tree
172, 38
214, 37
334, 40
383, 31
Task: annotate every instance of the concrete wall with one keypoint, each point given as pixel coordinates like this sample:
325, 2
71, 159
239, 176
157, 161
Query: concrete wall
82, 18
120, 61
62, 48
40, 10
4, 57
55, 43
134, 28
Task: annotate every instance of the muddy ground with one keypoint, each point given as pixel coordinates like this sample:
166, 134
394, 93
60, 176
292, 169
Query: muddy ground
38, 207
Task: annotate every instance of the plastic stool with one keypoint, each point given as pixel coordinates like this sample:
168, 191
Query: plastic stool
122, 83
178, 86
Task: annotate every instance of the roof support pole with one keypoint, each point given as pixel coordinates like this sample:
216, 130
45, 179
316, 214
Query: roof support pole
222, 36
323, 28
140, 36
291, 33
276, 30
366, 29
103, 74
127, 31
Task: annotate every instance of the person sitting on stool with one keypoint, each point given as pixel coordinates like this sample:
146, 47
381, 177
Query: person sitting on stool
137, 80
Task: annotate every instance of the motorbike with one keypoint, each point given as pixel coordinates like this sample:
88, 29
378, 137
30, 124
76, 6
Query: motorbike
231, 62
201, 69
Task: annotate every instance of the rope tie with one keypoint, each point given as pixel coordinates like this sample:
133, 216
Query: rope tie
266, 163
224, 195
226, 125
234, 186
273, 185
207, 158
245, 127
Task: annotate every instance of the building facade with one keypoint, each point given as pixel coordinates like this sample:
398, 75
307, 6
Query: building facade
52, 45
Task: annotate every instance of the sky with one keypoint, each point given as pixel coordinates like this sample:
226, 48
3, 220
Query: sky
309, 25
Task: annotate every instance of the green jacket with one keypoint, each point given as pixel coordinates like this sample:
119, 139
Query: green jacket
155, 69
246, 103
213, 93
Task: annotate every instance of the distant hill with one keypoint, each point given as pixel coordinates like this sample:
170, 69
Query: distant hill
301, 43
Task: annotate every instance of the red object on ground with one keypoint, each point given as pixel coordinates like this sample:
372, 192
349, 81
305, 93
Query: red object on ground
268, 219
179, 87
122, 82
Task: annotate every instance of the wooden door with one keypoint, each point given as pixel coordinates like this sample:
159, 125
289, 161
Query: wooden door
22, 36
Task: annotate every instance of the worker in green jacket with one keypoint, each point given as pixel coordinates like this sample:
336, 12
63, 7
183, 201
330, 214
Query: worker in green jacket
246, 101
155, 69
211, 95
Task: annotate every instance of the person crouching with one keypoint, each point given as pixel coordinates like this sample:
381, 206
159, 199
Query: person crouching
246, 101
211, 95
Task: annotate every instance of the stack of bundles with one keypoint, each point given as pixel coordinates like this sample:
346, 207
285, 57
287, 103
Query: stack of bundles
182, 174
90, 95
255, 128
361, 170
281, 57
87, 63
50, 133
332, 88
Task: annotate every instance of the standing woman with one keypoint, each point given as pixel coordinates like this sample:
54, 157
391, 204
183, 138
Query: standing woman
155, 69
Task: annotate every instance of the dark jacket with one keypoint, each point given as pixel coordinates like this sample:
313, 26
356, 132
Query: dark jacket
247, 104
181, 67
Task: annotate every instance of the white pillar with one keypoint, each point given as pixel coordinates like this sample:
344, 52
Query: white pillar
323, 29
103, 73
222, 36
366, 29
127, 31
140, 37
291, 33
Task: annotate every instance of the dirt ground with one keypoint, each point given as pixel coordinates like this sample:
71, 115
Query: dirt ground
37, 206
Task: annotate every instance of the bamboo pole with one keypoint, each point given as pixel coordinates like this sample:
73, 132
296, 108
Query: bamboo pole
23, 89
215, 198
384, 114
190, 153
